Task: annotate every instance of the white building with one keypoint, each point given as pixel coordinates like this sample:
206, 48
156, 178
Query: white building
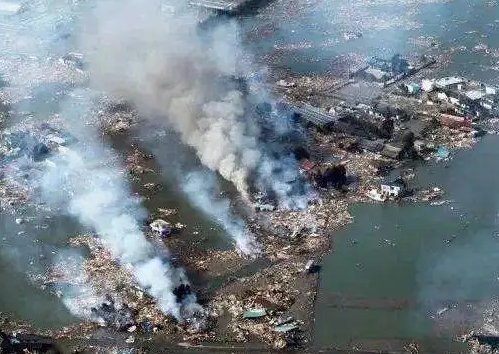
392, 191
489, 90
442, 96
448, 82
475, 95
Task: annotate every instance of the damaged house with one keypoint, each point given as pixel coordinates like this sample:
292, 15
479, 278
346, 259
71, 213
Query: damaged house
383, 70
313, 116
396, 188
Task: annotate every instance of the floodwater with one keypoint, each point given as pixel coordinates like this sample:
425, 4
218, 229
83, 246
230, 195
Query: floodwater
312, 36
29, 248
394, 271
397, 265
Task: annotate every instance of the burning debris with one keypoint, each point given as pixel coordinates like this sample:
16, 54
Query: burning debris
129, 306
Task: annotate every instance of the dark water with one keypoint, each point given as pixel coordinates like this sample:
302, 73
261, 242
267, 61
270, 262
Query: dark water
28, 249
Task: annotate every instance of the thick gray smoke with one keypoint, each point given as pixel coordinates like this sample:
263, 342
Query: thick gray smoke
161, 62
201, 188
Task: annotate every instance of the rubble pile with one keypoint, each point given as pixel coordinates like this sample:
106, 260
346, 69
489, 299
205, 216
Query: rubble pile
127, 307
109, 277
298, 232
117, 118
452, 138
479, 346
257, 305
41, 72
11, 194
363, 166
216, 262
298, 88
135, 162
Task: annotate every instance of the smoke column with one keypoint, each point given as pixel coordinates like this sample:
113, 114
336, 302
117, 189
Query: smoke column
199, 184
163, 64
87, 177
201, 188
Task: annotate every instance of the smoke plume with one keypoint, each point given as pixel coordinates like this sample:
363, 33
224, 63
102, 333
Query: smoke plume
85, 178
169, 68
99, 198
201, 188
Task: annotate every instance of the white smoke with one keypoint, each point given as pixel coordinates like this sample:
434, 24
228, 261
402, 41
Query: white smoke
201, 188
162, 63
99, 197
85, 179
81, 297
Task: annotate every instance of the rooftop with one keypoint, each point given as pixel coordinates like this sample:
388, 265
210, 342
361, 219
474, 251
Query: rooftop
314, 115
451, 80
378, 74
221, 5
475, 94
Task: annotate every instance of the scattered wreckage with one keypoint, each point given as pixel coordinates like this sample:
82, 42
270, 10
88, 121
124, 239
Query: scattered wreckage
20, 343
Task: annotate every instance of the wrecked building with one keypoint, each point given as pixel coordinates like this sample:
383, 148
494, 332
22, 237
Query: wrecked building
313, 116
384, 70
392, 152
324, 176
119, 317
396, 188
